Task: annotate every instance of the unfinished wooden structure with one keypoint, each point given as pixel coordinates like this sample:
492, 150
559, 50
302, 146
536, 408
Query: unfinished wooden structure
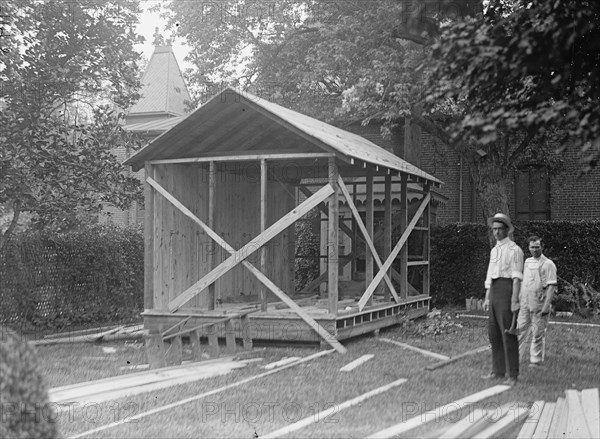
224, 189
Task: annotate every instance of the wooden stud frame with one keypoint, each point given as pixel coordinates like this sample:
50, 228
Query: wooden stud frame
240, 256
399, 246
365, 233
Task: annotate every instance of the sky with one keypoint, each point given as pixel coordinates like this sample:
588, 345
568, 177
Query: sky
148, 22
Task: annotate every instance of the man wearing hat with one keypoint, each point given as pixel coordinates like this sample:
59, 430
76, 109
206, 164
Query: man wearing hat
502, 283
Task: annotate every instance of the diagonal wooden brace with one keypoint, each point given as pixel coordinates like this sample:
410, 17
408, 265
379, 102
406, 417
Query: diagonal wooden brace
388, 263
322, 194
238, 256
366, 236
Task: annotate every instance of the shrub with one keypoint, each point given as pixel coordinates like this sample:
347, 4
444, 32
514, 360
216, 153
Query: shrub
460, 255
23, 393
91, 276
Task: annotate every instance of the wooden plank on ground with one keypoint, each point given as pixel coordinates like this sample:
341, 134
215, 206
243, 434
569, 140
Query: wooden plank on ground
437, 413
388, 262
413, 348
531, 422
499, 427
458, 357
590, 399
136, 417
280, 363
248, 249
87, 338
335, 408
354, 364
576, 424
559, 418
543, 425
467, 426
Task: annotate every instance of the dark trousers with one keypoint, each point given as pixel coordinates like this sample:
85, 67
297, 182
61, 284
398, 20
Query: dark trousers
505, 347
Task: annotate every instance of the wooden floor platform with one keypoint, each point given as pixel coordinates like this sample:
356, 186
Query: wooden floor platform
279, 323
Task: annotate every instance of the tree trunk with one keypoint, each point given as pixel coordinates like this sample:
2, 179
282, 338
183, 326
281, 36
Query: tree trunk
15, 219
492, 186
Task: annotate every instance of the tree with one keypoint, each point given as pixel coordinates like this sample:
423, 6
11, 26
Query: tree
363, 61
65, 69
525, 66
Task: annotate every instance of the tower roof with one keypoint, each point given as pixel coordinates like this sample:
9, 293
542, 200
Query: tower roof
163, 89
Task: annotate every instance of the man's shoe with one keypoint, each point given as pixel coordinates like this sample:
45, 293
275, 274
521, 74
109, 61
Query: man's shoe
492, 376
536, 365
512, 381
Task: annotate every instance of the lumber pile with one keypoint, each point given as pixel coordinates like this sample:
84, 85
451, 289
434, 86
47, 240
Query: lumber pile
576, 415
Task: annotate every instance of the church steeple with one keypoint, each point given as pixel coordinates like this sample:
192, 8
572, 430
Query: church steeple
164, 92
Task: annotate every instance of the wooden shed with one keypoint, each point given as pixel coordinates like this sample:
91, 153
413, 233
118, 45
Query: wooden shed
223, 191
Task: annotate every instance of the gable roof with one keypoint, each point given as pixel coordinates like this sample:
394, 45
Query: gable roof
163, 88
234, 121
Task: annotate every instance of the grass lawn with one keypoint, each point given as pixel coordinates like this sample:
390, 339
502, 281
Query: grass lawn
267, 404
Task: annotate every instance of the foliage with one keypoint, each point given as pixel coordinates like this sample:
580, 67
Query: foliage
524, 68
65, 67
344, 62
460, 255
438, 324
306, 263
51, 280
26, 411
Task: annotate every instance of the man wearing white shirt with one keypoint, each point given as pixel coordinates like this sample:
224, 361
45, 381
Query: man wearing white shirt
539, 284
502, 283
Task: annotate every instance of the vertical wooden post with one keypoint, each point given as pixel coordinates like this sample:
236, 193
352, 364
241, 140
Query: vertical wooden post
212, 179
403, 224
246, 334
148, 240
263, 227
426, 237
332, 239
230, 337
354, 236
369, 225
196, 346
387, 228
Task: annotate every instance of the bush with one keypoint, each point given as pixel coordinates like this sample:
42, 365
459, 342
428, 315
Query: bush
460, 255
23, 393
90, 276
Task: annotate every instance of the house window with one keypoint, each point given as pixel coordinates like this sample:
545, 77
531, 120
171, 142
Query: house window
532, 194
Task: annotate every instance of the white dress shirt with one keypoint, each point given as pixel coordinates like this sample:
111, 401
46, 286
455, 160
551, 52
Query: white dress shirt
506, 260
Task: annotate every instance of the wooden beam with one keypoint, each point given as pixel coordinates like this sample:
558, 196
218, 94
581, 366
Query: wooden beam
212, 187
240, 255
426, 237
458, 357
369, 217
577, 427
415, 349
242, 158
403, 224
333, 240
365, 233
591, 408
387, 228
148, 240
534, 416
392, 257
263, 227
445, 410
543, 426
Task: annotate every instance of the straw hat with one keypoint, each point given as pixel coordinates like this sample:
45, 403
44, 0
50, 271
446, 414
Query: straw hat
501, 218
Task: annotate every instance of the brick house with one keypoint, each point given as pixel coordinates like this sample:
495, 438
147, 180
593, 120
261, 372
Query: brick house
535, 195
